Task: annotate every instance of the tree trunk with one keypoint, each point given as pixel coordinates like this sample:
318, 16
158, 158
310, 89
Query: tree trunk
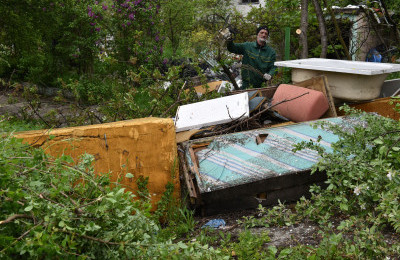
303, 28
171, 30
372, 23
338, 32
322, 28
390, 20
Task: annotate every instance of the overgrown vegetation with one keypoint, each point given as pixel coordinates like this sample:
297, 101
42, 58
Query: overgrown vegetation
359, 204
53, 207
121, 55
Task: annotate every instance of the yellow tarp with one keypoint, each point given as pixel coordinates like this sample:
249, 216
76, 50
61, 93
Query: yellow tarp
144, 147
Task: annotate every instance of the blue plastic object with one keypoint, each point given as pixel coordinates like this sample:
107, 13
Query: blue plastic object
215, 223
374, 56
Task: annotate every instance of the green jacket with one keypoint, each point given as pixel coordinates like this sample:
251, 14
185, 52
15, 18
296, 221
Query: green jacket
259, 58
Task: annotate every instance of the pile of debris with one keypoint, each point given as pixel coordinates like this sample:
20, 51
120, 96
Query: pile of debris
235, 159
255, 108
234, 152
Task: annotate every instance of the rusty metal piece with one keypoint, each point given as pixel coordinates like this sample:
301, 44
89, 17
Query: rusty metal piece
380, 106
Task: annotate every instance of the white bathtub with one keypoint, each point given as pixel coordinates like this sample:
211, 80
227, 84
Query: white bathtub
348, 80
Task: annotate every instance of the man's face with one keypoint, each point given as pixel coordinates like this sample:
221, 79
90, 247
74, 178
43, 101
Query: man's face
262, 37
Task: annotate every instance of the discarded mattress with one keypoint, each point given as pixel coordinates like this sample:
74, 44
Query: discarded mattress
144, 147
245, 157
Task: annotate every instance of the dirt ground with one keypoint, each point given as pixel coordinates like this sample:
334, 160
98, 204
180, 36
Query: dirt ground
305, 233
45, 109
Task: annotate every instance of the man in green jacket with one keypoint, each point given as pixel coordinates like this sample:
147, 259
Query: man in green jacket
258, 58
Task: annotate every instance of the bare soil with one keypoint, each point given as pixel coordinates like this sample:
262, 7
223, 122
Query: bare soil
46, 109
304, 233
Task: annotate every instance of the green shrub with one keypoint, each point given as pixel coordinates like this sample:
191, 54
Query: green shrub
55, 208
363, 176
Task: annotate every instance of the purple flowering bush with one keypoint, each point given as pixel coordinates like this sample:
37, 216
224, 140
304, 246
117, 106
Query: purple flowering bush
56, 38
135, 31
99, 50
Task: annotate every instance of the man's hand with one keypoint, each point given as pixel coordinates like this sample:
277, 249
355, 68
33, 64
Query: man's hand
226, 34
267, 76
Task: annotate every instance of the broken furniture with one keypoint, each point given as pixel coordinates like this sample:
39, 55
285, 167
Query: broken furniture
317, 83
262, 116
348, 80
210, 86
212, 112
242, 170
145, 148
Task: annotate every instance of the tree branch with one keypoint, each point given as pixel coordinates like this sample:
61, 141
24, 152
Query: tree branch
14, 217
21, 237
92, 238
338, 31
254, 116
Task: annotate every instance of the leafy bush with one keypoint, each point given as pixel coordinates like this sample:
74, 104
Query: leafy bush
54, 208
10, 124
362, 170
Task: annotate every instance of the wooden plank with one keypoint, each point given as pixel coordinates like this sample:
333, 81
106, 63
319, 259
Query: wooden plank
191, 187
195, 161
382, 106
265, 92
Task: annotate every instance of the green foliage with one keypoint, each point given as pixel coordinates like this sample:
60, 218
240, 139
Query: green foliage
54, 208
208, 237
364, 243
362, 170
179, 17
10, 125
42, 40
251, 246
246, 245
279, 215
89, 90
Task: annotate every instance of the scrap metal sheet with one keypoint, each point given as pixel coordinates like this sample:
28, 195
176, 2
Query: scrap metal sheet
238, 158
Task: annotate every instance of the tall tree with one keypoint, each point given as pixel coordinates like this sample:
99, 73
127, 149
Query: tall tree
390, 20
178, 19
303, 28
322, 28
337, 29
